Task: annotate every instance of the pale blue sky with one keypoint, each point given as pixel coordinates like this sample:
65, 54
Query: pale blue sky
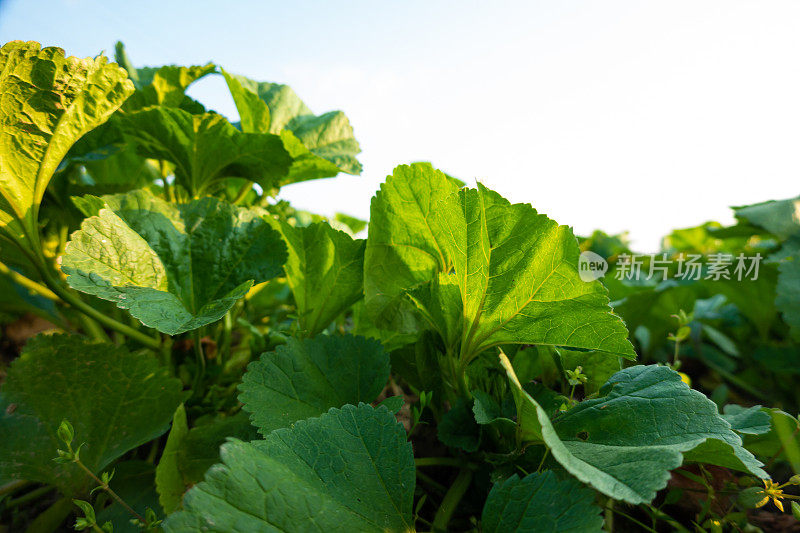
618, 115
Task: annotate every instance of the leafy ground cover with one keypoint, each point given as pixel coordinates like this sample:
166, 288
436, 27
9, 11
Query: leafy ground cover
202, 357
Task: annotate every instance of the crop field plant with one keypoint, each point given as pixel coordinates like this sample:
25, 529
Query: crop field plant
198, 356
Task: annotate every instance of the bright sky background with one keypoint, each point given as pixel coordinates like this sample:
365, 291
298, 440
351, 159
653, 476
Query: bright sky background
618, 115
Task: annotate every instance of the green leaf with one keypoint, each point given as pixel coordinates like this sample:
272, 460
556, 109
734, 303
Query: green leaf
514, 272
788, 289
625, 442
351, 469
750, 420
169, 481
768, 445
199, 450
325, 271
175, 268
321, 146
115, 400
458, 428
779, 217
305, 378
393, 403
540, 503
206, 148
49, 102
161, 85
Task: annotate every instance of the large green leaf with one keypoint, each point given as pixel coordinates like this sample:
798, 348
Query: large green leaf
540, 503
206, 148
352, 469
779, 217
479, 270
48, 102
161, 85
116, 401
325, 271
321, 146
625, 442
305, 378
176, 268
787, 298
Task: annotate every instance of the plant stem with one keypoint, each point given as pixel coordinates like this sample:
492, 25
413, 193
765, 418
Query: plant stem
451, 499
29, 496
93, 329
246, 188
225, 344
28, 283
10, 488
544, 456
200, 359
609, 515
52, 517
432, 482
441, 461
75, 301
111, 492
632, 519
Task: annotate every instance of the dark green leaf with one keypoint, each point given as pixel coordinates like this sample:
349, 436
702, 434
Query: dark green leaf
176, 268
305, 378
115, 400
540, 503
351, 469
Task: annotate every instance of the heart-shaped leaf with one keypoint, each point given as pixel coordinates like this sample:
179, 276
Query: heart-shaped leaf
48, 102
174, 267
351, 469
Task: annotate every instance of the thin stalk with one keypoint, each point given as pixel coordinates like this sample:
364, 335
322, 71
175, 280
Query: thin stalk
544, 456
246, 188
440, 461
75, 301
28, 283
227, 332
51, 518
608, 517
452, 499
200, 359
111, 492
93, 329
632, 519
431, 482
30, 496
12, 487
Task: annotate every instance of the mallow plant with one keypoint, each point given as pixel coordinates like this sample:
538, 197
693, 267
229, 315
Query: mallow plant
220, 361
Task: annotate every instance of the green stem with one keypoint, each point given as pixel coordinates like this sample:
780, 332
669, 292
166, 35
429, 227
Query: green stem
52, 517
431, 482
452, 499
609, 515
30, 496
632, 519
111, 492
10, 488
227, 331
93, 329
28, 283
75, 301
440, 461
246, 188
201, 361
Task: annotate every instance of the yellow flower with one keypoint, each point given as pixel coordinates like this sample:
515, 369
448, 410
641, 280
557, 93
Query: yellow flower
686, 379
771, 490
